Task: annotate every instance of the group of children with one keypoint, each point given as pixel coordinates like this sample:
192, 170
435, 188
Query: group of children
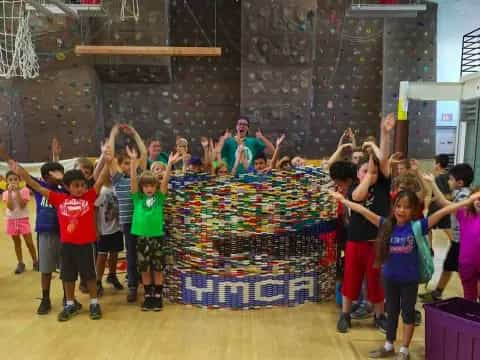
385, 230
84, 217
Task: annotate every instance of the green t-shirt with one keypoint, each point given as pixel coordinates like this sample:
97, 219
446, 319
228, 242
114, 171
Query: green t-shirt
148, 214
253, 147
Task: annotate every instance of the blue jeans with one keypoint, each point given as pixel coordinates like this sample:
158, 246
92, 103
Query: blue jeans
131, 245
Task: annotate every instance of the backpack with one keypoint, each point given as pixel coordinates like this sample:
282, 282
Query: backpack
425, 260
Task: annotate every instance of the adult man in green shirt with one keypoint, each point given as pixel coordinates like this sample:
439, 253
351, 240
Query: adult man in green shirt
252, 145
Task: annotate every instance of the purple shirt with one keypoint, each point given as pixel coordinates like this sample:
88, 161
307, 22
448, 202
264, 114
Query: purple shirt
469, 237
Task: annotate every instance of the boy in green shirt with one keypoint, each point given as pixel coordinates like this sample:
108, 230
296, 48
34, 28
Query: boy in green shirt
148, 199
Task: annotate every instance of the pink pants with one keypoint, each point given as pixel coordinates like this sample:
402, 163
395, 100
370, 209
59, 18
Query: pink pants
470, 275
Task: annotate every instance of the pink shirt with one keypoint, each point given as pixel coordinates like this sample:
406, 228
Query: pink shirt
17, 212
469, 237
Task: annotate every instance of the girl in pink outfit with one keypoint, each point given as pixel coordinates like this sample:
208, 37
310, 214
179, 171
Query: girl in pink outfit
17, 223
469, 262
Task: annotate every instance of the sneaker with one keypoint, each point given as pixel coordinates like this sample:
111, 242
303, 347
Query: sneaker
95, 311
83, 287
381, 353
112, 279
157, 303
45, 307
431, 296
77, 305
132, 295
380, 323
344, 323
362, 312
402, 356
35, 266
67, 313
99, 289
148, 304
418, 318
20, 268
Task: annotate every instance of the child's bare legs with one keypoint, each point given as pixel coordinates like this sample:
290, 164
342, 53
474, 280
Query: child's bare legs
407, 334
444, 279
46, 280
100, 265
92, 288
31, 247
17, 241
112, 262
69, 287
146, 278
158, 278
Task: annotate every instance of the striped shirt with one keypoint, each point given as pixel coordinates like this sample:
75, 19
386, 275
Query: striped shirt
123, 190
458, 195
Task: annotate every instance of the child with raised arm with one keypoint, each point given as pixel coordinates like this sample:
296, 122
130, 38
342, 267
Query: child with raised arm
17, 223
76, 215
120, 175
397, 253
148, 201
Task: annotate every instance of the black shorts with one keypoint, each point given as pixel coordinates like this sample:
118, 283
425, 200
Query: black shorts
77, 259
451, 261
112, 242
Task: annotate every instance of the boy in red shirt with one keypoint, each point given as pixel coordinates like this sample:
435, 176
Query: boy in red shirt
76, 216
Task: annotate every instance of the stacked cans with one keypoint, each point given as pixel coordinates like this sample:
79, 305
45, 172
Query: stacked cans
235, 241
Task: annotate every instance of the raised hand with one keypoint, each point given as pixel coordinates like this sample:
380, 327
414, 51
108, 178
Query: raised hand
280, 140
204, 141
414, 165
56, 147
12, 165
107, 153
388, 123
127, 129
429, 177
336, 195
173, 158
132, 153
346, 146
259, 134
371, 166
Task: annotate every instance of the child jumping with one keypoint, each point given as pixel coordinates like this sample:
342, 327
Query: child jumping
397, 252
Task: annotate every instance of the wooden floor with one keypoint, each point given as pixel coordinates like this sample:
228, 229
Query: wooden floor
179, 332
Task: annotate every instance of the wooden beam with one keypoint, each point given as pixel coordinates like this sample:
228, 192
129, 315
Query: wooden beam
147, 50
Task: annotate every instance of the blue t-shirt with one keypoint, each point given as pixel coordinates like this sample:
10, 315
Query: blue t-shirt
46, 219
402, 263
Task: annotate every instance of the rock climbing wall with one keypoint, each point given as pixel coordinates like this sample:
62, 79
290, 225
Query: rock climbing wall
348, 76
204, 96
299, 67
410, 54
309, 71
278, 40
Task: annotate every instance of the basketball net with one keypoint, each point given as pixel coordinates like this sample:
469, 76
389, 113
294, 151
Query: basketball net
130, 10
17, 53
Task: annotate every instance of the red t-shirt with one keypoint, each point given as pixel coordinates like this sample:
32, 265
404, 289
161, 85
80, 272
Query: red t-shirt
76, 216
